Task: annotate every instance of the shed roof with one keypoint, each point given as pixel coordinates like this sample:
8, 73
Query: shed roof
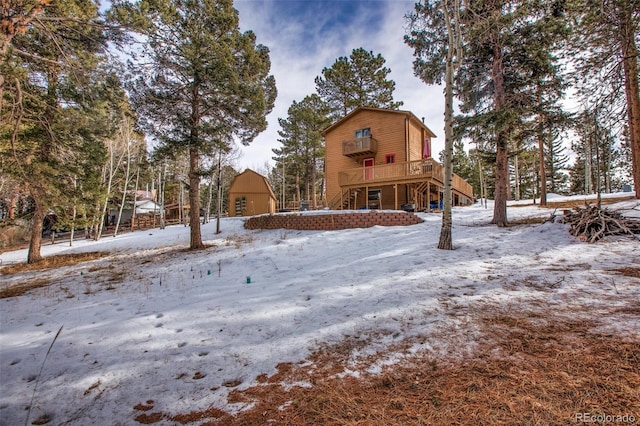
261, 178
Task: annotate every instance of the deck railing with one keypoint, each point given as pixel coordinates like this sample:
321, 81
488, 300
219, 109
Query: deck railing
359, 146
412, 171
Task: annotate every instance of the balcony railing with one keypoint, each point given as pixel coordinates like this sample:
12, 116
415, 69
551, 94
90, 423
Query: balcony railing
412, 171
359, 147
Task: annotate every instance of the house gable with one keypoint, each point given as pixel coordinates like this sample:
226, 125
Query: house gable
372, 137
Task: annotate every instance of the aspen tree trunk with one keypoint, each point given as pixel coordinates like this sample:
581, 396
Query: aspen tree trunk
298, 191
161, 185
454, 51
126, 185
135, 196
516, 168
313, 182
209, 200
100, 224
73, 213
219, 183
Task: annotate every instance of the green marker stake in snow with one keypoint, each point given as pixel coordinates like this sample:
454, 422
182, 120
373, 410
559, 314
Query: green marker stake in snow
248, 280
208, 271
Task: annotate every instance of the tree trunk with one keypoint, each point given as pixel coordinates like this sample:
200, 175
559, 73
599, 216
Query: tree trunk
502, 146
103, 213
219, 209
74, 212
207, 210
502, 177
542, 158
516, 171
126, 183
135, 196
630, 66
34, 255
194, 199
298, 190
543, 172
314, 187
454, 50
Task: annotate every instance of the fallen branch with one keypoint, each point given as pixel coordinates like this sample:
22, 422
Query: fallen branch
591, 223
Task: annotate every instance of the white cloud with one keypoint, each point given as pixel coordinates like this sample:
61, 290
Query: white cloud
304, 43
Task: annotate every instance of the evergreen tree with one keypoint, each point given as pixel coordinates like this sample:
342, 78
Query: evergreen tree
201, 82
605, 50
596, 154
302, 151
462, 164
508, 67
359, 80
51, 96
508, 46
556, 165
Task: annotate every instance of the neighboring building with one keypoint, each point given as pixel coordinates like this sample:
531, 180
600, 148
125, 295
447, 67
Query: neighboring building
143, 207
380, 158
250, 194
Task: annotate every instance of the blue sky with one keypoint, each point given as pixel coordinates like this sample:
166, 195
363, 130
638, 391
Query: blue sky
305, 36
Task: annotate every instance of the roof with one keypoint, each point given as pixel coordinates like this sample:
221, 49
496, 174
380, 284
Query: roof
264, 179
384, 110
143, 206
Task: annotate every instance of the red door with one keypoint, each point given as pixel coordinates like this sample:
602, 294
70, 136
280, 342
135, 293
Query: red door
368, 170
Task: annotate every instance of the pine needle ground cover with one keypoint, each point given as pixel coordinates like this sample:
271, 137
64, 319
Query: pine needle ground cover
367, 326
538, 367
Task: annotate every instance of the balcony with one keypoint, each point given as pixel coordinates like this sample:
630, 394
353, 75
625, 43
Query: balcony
360, 147
409, 172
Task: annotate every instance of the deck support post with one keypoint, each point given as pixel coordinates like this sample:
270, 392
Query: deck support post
395, 197
366, 197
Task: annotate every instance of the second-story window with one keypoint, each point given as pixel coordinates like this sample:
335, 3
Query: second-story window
363, 133
390, 158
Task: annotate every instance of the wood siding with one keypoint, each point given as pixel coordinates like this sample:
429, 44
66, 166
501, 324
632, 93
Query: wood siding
388, 129
409, 179
256, 191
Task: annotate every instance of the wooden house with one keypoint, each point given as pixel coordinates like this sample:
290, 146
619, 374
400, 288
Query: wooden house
250, 194
380, 158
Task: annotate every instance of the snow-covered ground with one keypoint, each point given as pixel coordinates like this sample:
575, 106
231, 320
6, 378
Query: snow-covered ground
153, 321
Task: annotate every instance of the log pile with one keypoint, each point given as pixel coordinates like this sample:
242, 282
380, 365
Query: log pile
591, 223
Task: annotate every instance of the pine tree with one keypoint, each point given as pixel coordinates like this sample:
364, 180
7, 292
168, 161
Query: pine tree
205, 82
359, 80
556, 164
605, 50
302, 144
596, 156
50, 97
508, 44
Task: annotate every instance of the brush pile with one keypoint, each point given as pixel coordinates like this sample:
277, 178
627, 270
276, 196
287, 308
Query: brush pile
591, 223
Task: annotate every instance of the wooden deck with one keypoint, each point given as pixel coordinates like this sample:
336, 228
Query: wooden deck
419, 171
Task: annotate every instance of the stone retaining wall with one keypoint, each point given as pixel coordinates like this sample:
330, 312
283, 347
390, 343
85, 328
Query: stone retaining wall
330, 222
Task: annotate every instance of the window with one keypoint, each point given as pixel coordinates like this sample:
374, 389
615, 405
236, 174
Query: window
390, 158
363, 133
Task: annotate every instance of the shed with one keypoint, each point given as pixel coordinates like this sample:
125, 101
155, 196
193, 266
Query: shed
250, 194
